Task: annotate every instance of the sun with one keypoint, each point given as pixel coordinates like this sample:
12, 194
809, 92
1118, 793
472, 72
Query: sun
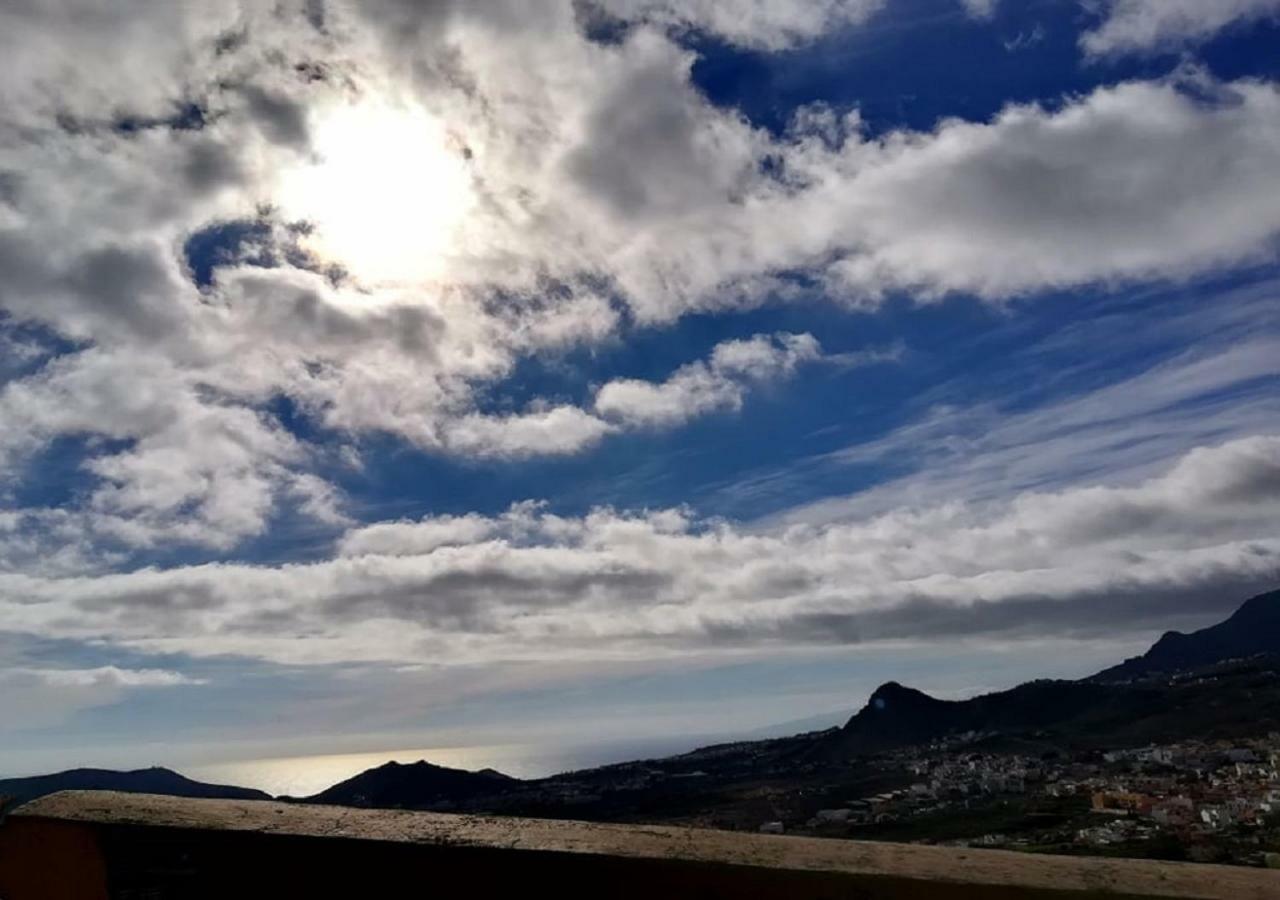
384, 191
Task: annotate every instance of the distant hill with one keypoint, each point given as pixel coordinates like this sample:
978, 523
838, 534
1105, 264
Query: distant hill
1226, 700
1235, 690
897, 716
417, 785
1252, 629
141, 781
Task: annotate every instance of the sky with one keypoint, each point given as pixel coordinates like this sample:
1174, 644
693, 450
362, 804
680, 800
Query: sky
408, 374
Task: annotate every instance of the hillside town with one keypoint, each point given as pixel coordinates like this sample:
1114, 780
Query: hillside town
1206, 801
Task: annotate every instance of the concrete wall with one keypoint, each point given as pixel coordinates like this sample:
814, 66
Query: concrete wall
94, 846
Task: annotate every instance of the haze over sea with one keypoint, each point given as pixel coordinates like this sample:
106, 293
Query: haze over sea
301, 776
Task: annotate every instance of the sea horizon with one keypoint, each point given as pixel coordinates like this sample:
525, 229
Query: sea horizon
305, 775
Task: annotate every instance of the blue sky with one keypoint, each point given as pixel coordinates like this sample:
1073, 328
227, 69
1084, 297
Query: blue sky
383, 375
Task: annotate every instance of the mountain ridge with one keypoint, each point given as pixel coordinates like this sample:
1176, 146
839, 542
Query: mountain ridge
1254, 628
153, 780
411, 785
1112, 701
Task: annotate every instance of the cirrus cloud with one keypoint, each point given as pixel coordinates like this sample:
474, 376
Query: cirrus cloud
1149, 25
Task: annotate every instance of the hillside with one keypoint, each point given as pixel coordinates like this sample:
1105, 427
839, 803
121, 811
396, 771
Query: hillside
1222, 700
141, 781
415, 786
1252, 629
897, 716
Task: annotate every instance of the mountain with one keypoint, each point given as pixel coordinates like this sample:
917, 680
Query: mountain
1102, 708
141, 781
897, 716
1252, 629
417, 785
1227, 700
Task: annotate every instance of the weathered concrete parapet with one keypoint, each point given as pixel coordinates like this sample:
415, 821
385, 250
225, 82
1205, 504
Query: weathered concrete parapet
92, 845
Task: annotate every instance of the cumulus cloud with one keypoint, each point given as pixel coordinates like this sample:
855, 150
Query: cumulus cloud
1148, 25
407, 538
559, 430
191, 470
533, 585
1037, 199
701, 387
602, 191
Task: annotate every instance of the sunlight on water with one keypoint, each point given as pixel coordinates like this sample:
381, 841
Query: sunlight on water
302, 776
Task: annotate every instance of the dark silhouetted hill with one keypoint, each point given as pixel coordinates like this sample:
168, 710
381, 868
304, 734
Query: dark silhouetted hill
1226, 689
1225, 700
1252, 629
897, 716
419, 785
141, 781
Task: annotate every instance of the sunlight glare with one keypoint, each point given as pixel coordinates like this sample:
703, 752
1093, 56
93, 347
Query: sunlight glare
384, 191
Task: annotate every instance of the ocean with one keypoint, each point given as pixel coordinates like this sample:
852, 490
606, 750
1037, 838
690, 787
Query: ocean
302, 776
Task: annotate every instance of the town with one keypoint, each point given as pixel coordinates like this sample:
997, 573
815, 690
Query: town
1207, 801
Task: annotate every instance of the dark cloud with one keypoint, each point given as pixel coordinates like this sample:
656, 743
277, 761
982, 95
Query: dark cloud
10, 188
132, 286
191, 597
484, 598
1119, 610
282, 120
316, 13
211, 165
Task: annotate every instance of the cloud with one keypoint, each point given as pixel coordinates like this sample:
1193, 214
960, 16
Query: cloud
37, 698
763, 24
605, 193
702, 387
980, 9
190, 471
559, 430
1151, 25
108, 675
1120, 432
408, 538
1038, 199
1186, 543
693, 390
1025, 40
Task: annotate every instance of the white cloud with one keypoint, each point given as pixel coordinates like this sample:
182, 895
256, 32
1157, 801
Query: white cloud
606, 192
608, 585
559, 430
703, 387
980, 9
767, 24
1102, 190
1118, 433
1148, 25
193, 471
108, 675
408, 538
